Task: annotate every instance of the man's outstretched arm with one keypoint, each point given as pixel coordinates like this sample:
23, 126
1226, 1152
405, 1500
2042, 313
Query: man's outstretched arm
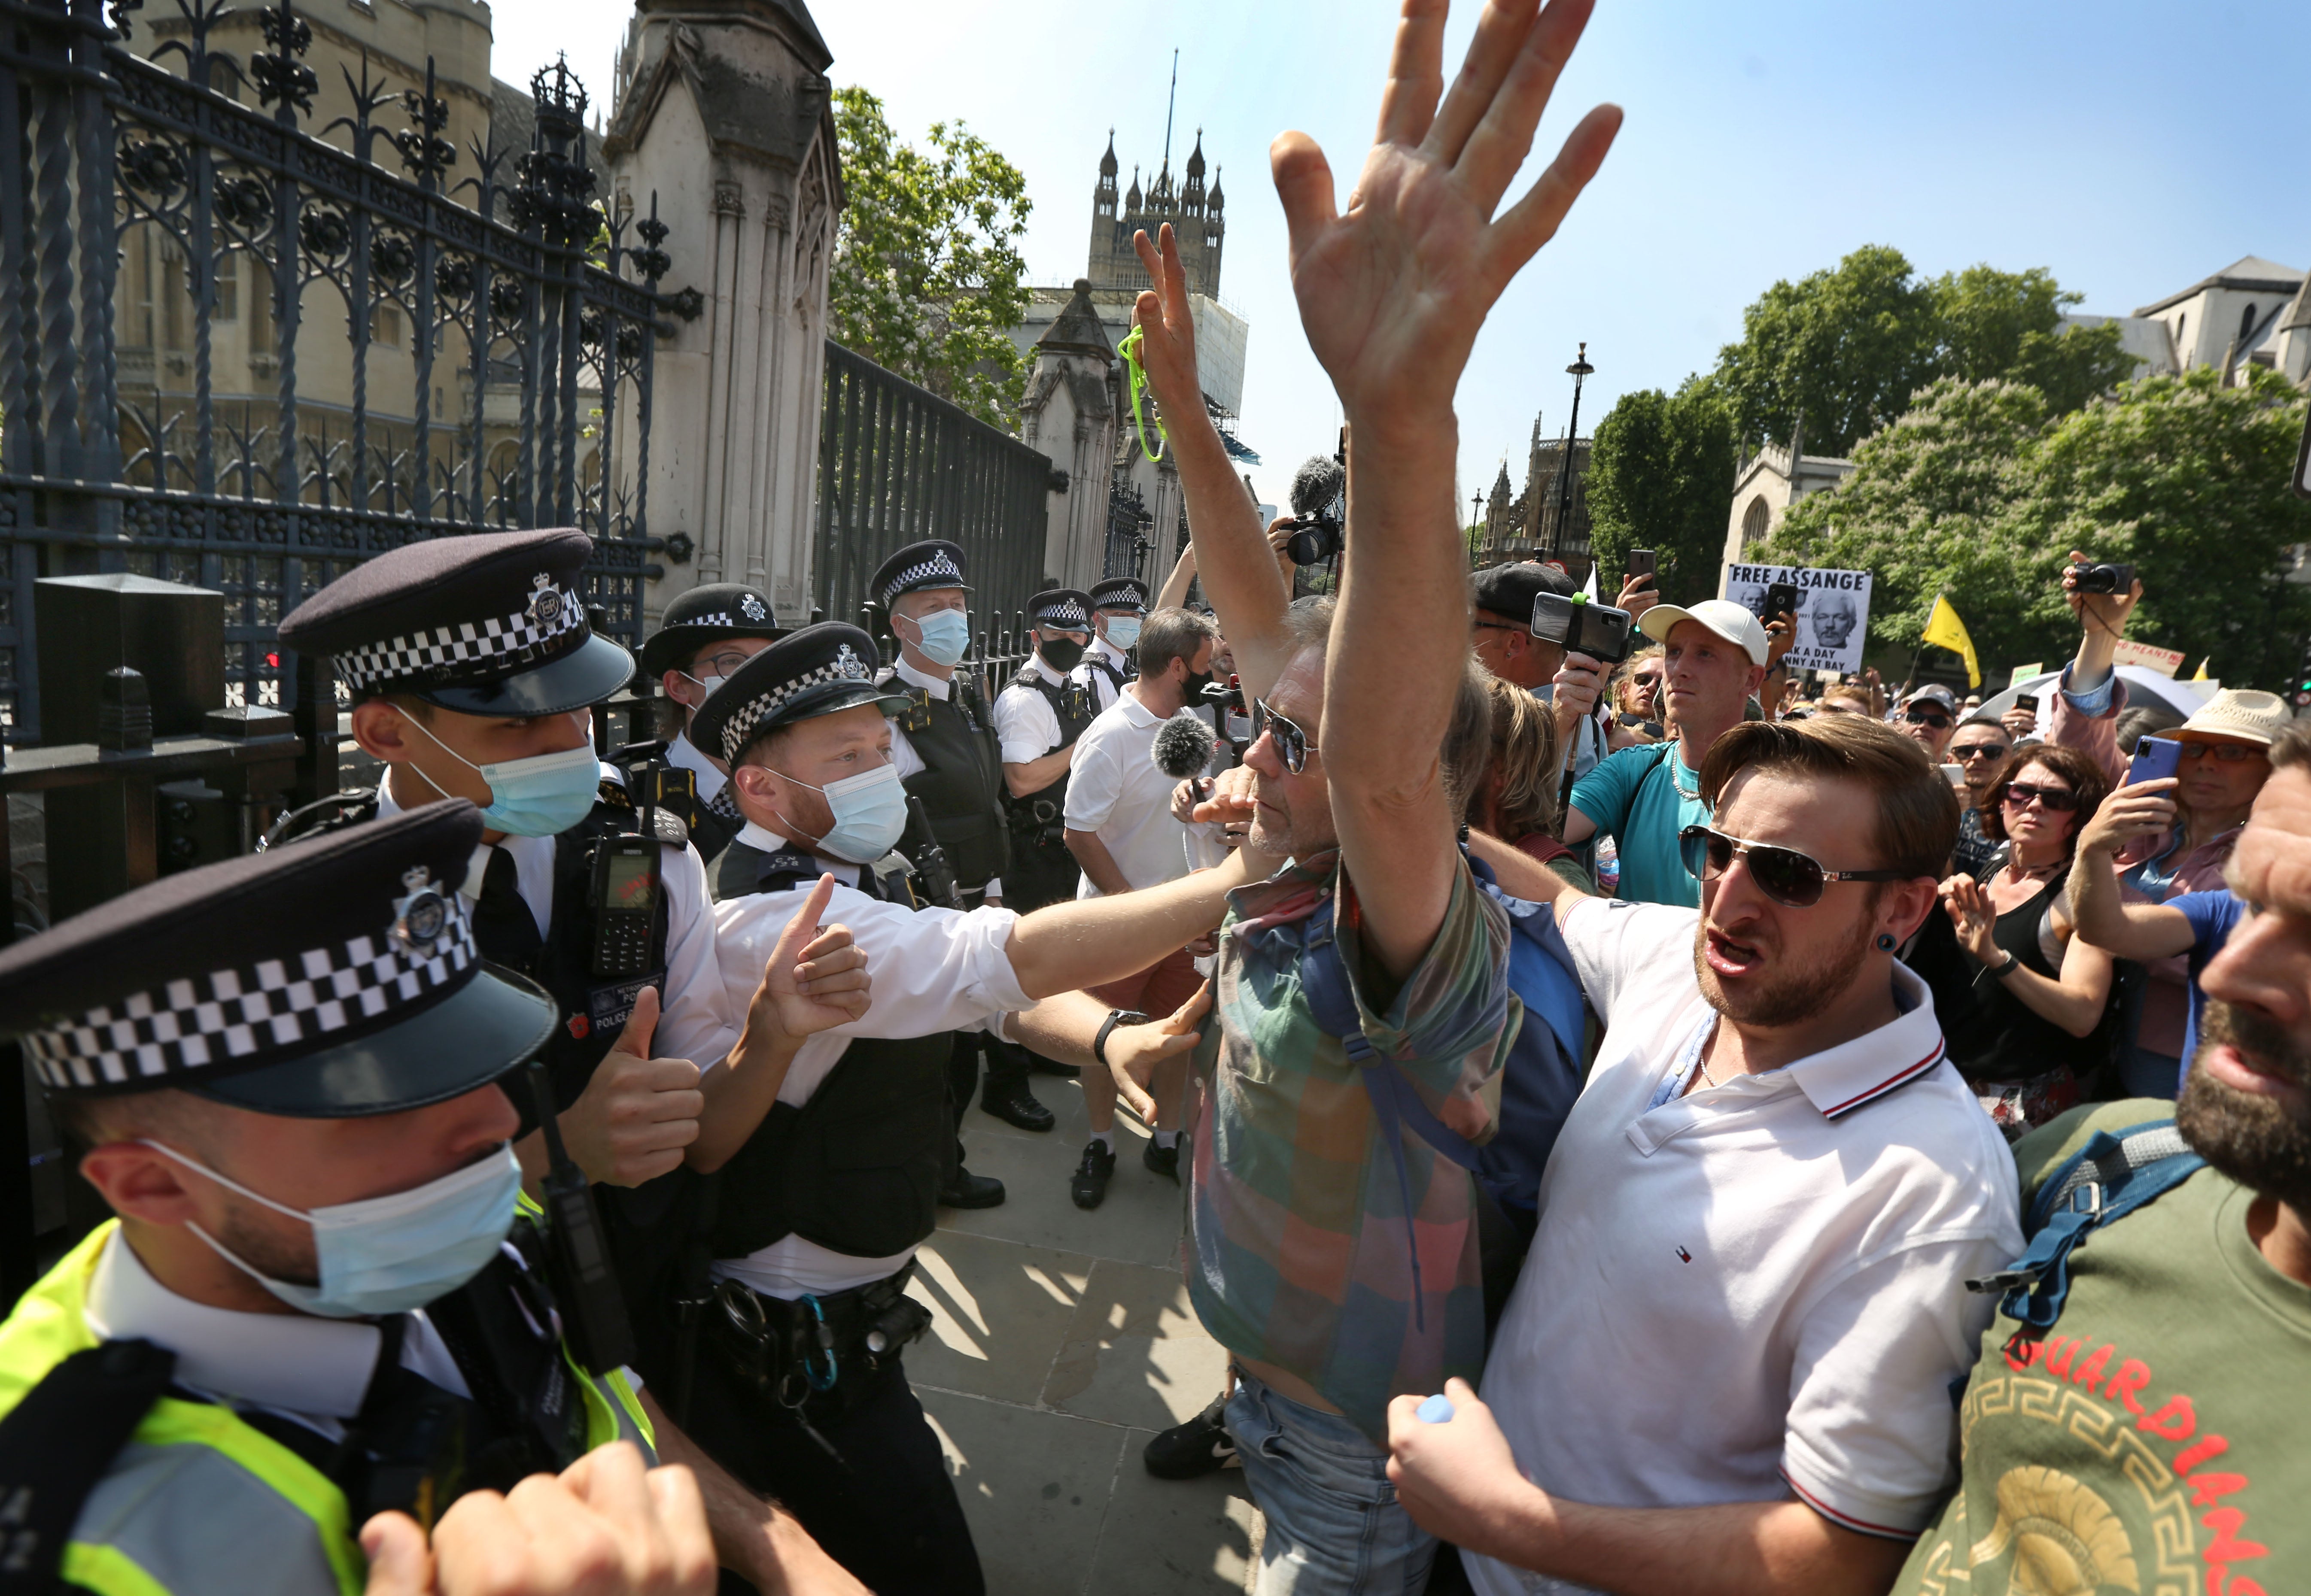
1392, 294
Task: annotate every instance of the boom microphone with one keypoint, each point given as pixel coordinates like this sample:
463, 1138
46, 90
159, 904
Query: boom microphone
1183, 745
1316, 484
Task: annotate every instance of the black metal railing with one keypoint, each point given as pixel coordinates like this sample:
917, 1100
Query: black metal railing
167, 411
897, 463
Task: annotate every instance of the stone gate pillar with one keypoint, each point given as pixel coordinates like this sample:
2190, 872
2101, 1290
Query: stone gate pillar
722, 115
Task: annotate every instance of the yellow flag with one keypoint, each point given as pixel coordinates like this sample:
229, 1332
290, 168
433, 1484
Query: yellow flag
1944, 629
2203, 675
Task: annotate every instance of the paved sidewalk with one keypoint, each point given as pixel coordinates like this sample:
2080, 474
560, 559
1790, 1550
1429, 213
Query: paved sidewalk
1061, 1342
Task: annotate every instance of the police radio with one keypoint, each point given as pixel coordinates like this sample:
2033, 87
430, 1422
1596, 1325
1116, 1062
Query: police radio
626, 888
932, 867
586, 1289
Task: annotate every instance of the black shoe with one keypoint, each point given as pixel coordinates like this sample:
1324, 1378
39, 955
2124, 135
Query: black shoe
1017, 1106
1044, 1066
1089, 1186
967, 1190
1200, 1446
1163, 1160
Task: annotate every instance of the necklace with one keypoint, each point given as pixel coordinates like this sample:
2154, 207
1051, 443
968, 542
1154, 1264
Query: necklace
1706, 1075
1676, 762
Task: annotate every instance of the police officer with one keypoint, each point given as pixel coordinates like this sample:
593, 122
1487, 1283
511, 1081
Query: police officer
704, 635
323, 1296
828, 1169
1037, 719
1117, 606
472, 668
943, 742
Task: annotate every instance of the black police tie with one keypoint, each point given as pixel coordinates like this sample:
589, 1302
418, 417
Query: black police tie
503, 927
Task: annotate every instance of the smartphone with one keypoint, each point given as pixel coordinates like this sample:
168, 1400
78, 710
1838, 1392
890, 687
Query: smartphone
1781, 599
1955, 774
1641, 562
2028, 701
2154, 758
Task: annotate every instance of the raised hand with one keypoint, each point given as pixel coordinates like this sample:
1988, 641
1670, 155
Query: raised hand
2142, 810
1392, 290
2108, 612
814, 980
637, 1112
1167, 328
1973, 918
1133, 1051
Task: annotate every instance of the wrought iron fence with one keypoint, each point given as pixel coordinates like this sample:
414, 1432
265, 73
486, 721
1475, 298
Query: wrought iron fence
897, 463
162, 248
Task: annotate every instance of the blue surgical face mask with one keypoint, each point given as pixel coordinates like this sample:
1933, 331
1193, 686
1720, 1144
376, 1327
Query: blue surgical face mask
1123, 630
870, 811
390, 1254
946, 635
541, 796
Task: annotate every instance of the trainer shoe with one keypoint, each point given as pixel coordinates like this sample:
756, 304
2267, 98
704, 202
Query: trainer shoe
1200, 1446
1089, 1186
1163, 1160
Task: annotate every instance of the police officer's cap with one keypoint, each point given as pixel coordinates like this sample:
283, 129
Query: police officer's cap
932, 563
1065, 609
487, 624
805, 673
706, 615
327, 979
1509, 590
1120, 593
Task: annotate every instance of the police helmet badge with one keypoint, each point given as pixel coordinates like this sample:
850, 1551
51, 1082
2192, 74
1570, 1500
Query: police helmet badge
751, 608
545, 600
848, 664
421, 919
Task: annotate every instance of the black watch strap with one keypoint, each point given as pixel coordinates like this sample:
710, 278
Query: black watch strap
1115, 1017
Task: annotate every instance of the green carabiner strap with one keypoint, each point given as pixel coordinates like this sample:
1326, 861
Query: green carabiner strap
1137, 373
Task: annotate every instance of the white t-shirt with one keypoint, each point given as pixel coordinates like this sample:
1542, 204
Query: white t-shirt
1756, 1287
1115, 791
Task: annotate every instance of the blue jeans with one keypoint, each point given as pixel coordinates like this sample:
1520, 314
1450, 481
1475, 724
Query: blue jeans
1334, 1525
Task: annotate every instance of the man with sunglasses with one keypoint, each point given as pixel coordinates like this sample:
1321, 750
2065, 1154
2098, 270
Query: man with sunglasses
1979, 749
1727, 1364
1930, 715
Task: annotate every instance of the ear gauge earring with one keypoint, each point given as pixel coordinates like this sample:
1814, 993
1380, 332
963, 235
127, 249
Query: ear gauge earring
1885, 942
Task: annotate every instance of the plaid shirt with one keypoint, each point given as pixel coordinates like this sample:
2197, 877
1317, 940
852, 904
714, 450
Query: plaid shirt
1299, 1251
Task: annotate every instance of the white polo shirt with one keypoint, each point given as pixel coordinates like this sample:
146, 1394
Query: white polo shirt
1756, 1289
1115, 791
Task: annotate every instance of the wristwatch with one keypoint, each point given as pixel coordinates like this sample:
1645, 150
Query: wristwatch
1115, 1017
2001, 971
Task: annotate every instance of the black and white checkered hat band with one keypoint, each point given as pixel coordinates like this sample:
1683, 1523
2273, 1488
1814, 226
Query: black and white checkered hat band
448, 649
846, 666
938, 567
1066, 613
240, 1016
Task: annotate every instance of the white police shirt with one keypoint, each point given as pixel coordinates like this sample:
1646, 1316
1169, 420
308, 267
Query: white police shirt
1025, 725
903, 757
683, 754
694, 1018
933, 971
1103, 688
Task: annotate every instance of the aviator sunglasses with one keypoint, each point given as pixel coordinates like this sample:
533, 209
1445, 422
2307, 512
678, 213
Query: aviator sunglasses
1292, 744
1790, 879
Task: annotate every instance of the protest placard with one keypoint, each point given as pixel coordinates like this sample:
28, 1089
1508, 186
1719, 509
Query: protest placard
1833, 617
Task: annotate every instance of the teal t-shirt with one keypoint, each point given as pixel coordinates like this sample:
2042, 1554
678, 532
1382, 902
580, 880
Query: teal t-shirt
1635, 799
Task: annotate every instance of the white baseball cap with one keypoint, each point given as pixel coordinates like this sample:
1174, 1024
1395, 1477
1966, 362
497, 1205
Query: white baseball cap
1729, 620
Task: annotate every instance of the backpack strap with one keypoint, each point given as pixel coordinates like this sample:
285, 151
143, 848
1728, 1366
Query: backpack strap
1396, 1105
57, 1446
2107, 1179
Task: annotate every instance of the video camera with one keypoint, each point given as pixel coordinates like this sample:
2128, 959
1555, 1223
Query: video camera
1319, 493
1600, 632
2095, 577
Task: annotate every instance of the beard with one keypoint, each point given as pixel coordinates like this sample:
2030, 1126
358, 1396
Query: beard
1783, 997
2253, 1140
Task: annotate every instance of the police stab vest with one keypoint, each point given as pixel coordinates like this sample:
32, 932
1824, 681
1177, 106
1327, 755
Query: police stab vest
855, 1170
962, 778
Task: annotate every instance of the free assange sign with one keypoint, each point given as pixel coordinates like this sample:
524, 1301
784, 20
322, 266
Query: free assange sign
1833, 619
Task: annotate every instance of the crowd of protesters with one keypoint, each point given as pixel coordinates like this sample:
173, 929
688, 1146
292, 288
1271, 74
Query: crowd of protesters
1644, 1124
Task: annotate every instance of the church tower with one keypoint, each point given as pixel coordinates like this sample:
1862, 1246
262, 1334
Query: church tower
1103, 215
1196, 217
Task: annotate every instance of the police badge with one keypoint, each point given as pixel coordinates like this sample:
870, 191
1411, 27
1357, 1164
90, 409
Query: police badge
421, 919
751, 608
849, 665
545, 599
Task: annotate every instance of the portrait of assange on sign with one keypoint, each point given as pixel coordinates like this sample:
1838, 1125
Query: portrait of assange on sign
1833, 610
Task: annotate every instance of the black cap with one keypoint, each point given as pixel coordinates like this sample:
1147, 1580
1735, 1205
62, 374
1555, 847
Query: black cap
813, 671
1067, 608
932, 563
326, 979
1120, 593
706, 615
1509, 590
492, 623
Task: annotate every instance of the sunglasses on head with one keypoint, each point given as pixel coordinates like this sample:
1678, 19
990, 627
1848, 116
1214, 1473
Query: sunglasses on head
1790, 879
1292, 744
2054, 799
1919, 714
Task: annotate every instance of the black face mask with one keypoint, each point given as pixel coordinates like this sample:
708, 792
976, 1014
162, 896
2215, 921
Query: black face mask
1061, 653
1193, 689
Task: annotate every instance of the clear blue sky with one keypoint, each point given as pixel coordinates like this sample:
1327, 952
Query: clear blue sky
2129, 148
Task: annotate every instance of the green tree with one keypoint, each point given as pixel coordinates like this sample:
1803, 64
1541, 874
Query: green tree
928, 279
1660, 474
2009, 325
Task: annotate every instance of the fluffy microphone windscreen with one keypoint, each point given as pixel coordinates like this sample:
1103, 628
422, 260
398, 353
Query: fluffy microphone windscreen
1183, 745
1319, 481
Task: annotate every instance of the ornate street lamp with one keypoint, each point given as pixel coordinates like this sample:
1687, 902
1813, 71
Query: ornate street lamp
1580, 368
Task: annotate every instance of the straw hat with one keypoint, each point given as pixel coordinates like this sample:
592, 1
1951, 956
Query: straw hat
2239, 712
